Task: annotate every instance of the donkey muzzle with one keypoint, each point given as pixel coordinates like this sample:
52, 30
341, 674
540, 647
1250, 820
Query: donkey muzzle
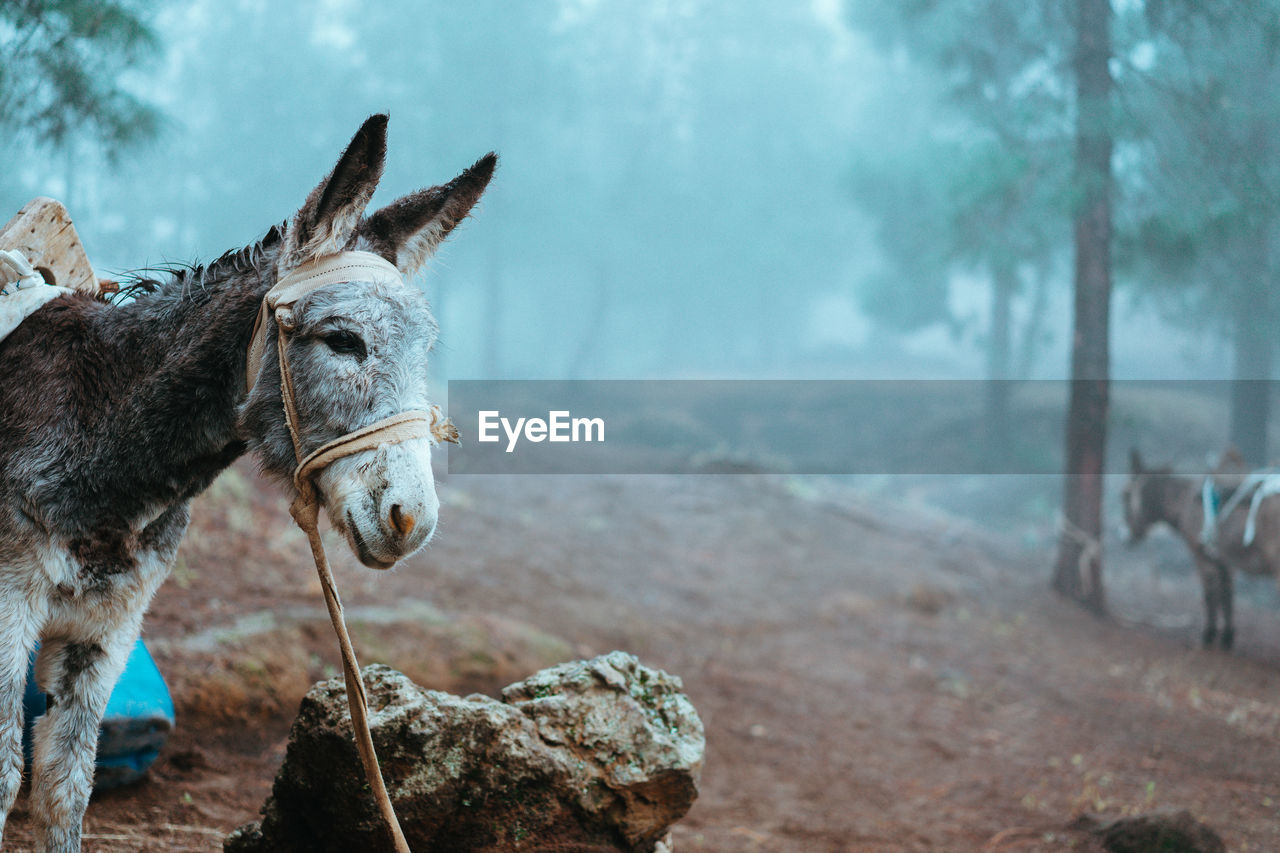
407, 522
384, 501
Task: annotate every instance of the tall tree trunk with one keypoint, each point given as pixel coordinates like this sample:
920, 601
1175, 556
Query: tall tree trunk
493, 317
1004, 282
593, 329
1250, 386
1078, 569
1030, 343
71, 198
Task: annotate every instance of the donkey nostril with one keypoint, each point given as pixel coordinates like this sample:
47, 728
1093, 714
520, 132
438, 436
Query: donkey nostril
401, 521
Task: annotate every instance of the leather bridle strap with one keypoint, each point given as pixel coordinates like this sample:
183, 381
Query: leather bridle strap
305, 509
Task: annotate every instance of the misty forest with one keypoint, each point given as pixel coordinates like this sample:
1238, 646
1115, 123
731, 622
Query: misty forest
1048, 231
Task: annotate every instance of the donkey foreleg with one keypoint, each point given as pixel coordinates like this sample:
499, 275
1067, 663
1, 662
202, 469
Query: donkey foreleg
77, 673
19, 626
1226, 603
1211, 587
86, 641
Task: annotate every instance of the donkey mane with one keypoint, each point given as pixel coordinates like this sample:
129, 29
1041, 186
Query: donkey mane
177, 279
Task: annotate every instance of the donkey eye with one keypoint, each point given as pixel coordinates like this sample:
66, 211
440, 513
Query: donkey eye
345, 343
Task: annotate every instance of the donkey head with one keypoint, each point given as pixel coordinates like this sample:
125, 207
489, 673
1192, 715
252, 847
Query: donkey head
358, 350
1142, 498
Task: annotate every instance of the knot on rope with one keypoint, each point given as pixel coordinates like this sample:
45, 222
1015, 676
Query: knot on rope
305, 509
442, 429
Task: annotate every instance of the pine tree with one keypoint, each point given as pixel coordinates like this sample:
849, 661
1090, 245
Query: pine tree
1078, 569
60, 76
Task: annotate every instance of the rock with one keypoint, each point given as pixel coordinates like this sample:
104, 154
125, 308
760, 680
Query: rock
598, 755
1166, 832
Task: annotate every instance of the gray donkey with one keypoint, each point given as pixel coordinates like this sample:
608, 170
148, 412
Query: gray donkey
114, 416
1154, 495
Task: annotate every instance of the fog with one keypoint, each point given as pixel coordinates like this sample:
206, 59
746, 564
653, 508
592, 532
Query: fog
696, 190
687, 188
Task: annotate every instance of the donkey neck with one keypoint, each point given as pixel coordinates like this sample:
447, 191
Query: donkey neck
144, 396
185, 348
1177, 504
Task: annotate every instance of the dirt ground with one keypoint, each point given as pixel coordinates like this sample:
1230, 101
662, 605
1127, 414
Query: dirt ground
871, 677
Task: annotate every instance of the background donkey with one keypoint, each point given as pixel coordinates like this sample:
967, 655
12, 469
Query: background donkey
1154, 495
113, 417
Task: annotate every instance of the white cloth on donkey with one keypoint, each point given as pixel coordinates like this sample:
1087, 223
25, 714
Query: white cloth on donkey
1258, 486
22, 290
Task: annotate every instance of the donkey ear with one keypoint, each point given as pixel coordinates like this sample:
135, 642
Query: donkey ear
408, 231
1135, 461
327, 221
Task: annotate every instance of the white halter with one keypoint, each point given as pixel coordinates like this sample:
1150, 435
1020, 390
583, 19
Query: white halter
330, 269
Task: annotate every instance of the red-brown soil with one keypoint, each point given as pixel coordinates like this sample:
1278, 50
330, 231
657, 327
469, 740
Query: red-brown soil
871, 677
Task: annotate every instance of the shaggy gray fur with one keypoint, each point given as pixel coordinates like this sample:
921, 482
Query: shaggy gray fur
113, 417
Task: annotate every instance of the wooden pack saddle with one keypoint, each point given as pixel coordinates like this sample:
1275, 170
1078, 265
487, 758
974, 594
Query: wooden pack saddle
42, 231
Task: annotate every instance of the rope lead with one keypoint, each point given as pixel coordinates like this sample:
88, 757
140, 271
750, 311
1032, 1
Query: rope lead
305, 508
